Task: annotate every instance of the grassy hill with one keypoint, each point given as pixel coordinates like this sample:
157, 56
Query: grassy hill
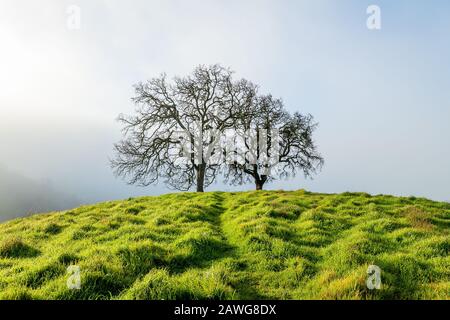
261, 245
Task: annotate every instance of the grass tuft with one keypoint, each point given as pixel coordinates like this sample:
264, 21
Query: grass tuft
14, 247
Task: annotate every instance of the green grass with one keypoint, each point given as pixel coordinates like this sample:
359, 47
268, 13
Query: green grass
217, 245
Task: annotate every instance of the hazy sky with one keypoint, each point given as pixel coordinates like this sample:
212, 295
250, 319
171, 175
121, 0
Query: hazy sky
381, 97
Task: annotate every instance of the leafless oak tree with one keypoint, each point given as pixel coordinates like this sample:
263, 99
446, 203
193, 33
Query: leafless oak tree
174, 132
278, 144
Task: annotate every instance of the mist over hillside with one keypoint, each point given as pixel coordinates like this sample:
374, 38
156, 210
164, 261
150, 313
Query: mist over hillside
21, 196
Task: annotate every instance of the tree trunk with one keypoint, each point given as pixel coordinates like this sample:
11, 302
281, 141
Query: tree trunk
259, 184
260, 180
200, 177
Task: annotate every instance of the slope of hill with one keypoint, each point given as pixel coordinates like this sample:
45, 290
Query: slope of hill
260, 245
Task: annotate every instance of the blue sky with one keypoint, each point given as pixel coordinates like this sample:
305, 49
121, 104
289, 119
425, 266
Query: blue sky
381, 96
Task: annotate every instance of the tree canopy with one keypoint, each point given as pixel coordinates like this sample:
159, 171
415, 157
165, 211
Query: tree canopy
185, 131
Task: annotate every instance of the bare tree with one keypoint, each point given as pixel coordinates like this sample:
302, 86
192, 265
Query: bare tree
276, 144
174, 132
